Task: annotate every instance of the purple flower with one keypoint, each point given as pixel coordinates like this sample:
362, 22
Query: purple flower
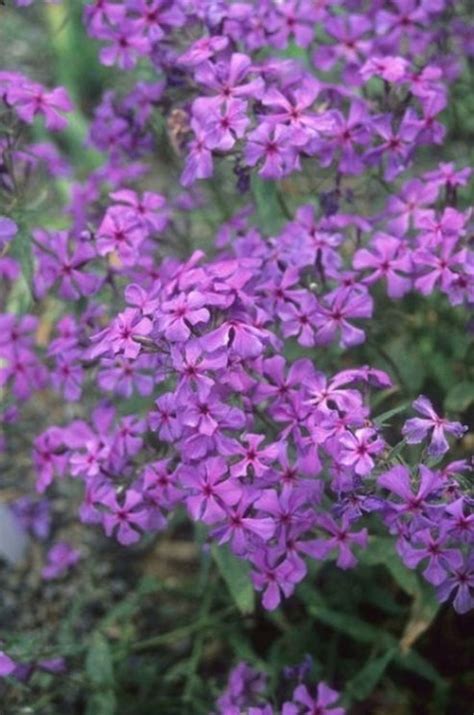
122, 231
460, 580
299, 318
7, 665
8, 229
357, 449
272, 576
202, 50
227, 79
254, 456
322, 703
222, 124
199, 163
33, 515
127, 44
389, 255
243, 685
333, 317
276, 146
416, 429
179, 315
341, 538
156, 17
30, 99
241, 529
209, 489
61, 557
164, 418
398, 481
125, 516
294, 109
440, 264
425, 545
123, 334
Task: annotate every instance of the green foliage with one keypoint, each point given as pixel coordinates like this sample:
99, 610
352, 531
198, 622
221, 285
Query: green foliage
235, 573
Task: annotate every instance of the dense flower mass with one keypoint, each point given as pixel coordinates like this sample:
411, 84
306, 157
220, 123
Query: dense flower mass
199, 378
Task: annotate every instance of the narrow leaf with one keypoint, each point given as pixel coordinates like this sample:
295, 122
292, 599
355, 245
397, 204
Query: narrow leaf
99, 666
235, 573
269, 212
365, 681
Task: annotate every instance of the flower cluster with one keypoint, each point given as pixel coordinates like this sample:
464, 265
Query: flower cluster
196, 378
245, 689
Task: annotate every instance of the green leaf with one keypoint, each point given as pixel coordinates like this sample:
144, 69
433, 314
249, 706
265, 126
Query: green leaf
460, 397
381, 551
235, 573
22, 251
424, 609
103, 703
409, 361
269, 212
352, 626
365, 681
385, 416
99, 666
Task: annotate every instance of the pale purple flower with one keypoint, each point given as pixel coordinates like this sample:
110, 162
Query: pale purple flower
7, 665
321, 704
61, 557
425, 545
415, 430
359, 448
31, 99
340, 538
8, 229
125, 516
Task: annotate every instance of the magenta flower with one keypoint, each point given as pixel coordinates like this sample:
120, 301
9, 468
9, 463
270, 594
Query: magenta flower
209, 490
461, 581
150, 208
441, 265
398, 481
61, 259
358, 449
294, 109
61, 557
390, 69
164, 418
199, 163
156, 17
272, 575
30, 100
408, 207
425, 545
179, 315
121, 231
7, 665
332, 318
227, 79
322, 703
254, 456
223, 124
126, 517
300, 319
397, 144
243, 530
8, 229
276, 146
415, 430
341, 539
127, 44
388, 256
202, 50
